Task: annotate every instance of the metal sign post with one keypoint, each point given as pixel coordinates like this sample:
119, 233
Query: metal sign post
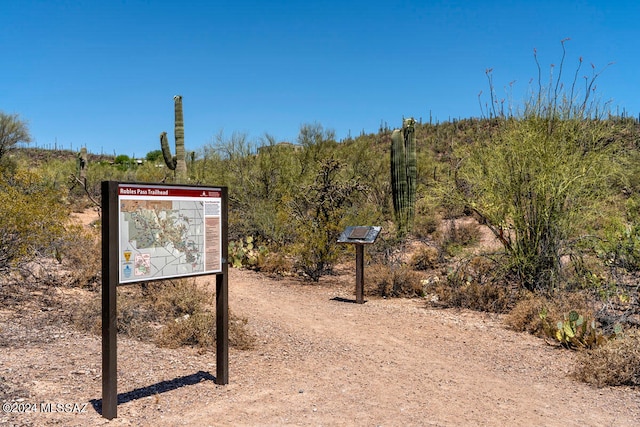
158, 232
109, 294
359, 236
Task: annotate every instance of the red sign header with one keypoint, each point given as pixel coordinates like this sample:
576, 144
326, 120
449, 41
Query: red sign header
164, 191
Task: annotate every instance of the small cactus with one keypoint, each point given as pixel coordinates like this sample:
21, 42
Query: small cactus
576, 331
176, 163
244, 253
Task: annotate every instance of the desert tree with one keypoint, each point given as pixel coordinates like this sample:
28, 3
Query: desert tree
12, 131
320, 211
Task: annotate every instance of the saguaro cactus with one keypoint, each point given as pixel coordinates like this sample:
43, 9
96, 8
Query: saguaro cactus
403, 174
176, 163
82, 162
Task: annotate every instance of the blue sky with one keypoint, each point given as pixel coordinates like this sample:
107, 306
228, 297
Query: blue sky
102, 74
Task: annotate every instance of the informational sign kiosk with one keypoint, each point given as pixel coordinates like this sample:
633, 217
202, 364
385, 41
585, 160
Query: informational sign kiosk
159, 232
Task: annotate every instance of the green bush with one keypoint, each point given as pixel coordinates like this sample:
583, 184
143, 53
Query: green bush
622, 248
426, 219
538, 181
33, 220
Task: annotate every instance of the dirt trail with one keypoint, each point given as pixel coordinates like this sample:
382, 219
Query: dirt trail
322, 360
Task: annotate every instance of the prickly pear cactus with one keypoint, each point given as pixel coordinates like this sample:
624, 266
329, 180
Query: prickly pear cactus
404, 174
244, 253
176, 163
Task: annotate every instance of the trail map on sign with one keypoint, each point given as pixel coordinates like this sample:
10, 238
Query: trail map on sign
164, 235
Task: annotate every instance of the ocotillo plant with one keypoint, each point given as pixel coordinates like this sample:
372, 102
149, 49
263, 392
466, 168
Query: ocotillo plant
176, 163
403, 174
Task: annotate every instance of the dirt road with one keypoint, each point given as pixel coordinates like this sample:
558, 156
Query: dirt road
320, 359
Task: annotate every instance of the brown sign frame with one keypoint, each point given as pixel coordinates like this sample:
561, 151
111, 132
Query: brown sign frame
111, 267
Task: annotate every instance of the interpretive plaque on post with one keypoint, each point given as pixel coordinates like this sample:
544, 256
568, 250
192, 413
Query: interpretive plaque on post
359, 236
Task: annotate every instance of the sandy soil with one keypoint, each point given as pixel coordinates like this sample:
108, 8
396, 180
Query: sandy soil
319, 359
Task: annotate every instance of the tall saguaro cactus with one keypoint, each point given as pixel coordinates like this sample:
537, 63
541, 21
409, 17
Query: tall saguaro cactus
404, 174
176, 163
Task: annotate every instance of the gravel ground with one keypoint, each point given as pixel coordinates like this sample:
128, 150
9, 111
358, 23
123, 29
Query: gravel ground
318, 359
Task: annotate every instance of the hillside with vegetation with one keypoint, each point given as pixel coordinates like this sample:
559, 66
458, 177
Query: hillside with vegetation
561, 211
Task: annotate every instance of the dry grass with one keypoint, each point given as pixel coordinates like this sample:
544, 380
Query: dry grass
172, 314
276, 263
425, 258
613, 364
198, 329
477, 285
525, 315
455, 235
385, 281
489, 297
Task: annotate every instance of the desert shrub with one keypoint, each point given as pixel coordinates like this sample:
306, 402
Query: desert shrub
622, 248
615, 363
489, 297
426, 219
81, 256
136, 319
540, 180
540, 315
425, 258
55, 173
13, 130
457, 235
525, 315
149, 172
33, 221
366, 159
135, 316
477, 285
175, 298
277, 263
402, 281
296, 199
171, 313
424, 225
198, 329
464, 233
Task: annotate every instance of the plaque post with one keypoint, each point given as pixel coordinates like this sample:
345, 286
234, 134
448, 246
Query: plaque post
359, 236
